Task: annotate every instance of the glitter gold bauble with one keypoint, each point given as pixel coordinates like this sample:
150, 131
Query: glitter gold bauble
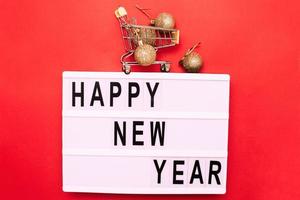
165, 20
192, 62
145, 54
147, 36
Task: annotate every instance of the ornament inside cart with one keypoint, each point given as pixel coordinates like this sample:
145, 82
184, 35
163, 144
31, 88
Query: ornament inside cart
143, 42
163, 20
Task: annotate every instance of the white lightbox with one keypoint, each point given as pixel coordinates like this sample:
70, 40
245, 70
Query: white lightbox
145, 133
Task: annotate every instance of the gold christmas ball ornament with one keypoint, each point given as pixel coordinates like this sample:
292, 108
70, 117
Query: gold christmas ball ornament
145, 54
147, 36
165, 20
192, 62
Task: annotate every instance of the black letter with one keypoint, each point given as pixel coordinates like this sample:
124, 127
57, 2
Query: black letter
137, 132
154, 133
97, 97
112, 94
152, 92
215, 173
159, 169
198, 174
175, 172
78, 94
133, 95
118, 130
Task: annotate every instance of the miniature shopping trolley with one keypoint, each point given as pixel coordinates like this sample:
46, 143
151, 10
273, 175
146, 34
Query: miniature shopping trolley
161, 38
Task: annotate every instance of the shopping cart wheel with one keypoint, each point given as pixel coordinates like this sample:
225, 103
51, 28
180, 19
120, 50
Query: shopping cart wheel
126, 69
165, 67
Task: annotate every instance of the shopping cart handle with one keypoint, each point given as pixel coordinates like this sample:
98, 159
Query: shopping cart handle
120, 12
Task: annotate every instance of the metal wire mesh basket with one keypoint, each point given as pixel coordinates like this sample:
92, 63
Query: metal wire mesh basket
157, 37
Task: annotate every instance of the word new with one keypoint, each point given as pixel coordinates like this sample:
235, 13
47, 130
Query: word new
157, 130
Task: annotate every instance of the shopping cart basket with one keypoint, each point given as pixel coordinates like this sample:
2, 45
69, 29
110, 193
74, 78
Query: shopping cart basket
161, 39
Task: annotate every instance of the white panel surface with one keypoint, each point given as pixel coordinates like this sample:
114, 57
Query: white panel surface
113, 149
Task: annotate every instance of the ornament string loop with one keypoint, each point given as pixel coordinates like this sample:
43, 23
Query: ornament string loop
144, 12
192, 49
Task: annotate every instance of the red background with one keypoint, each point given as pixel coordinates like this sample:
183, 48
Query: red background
256, 42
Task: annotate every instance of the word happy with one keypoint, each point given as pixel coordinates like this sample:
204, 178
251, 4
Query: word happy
115, 91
